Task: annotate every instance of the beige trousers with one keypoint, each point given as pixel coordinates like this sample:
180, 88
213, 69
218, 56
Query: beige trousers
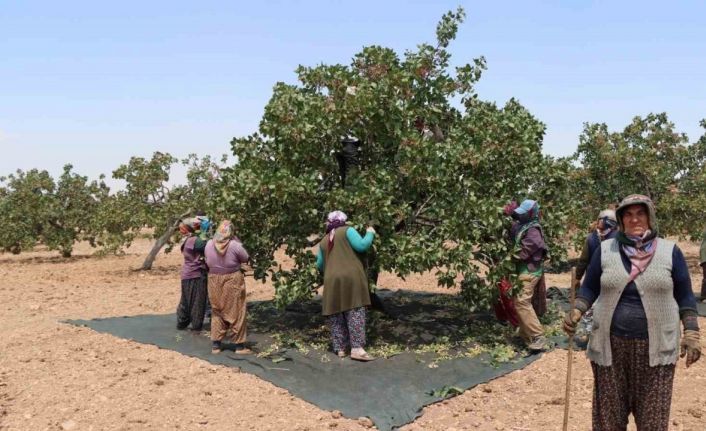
529, 323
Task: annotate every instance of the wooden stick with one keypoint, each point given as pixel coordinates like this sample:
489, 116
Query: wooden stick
567, 395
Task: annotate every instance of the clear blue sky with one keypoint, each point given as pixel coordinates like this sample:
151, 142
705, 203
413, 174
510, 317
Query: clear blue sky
93, 83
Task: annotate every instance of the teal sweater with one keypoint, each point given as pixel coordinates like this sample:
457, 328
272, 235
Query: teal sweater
357, 242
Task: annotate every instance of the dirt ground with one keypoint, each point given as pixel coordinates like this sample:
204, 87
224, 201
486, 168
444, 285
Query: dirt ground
55, 376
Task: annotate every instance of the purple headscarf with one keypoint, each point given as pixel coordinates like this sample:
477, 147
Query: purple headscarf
334, 220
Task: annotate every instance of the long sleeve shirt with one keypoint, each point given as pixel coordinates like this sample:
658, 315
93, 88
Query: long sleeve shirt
593, 242
227, 263
192, 250
361, 244
629, 319
531, 248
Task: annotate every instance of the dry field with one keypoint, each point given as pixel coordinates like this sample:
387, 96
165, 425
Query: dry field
55, 376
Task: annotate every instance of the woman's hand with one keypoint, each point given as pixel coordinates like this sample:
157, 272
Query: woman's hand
370, 229
691, 346
571, 320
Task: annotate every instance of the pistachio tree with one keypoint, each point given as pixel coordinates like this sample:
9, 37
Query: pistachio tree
149, 201
650, 157
56, 213
433, 169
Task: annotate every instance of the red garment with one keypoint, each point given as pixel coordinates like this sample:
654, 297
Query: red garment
505, 307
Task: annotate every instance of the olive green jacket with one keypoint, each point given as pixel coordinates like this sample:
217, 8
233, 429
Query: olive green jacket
345, 279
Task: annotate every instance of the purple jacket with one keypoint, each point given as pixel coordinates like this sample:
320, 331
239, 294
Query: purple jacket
533, 249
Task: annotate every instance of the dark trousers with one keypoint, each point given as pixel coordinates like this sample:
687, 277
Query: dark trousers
630, 385
192, 305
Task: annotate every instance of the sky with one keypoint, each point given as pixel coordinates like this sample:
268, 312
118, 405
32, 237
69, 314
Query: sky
94, 83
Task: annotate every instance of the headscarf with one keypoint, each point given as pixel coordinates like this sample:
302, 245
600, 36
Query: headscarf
334, 220
204, 223
609, 223
527, 216
639, 249
188, 226
223, 235
640, 252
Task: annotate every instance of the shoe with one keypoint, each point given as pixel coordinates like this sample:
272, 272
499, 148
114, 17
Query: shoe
216, 347
240, 349
538, 344
363, 357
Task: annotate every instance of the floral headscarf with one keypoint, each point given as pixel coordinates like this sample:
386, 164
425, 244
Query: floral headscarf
224, 234
334, 220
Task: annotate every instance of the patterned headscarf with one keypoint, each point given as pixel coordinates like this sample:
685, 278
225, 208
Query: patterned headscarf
223, 235
189, 225
333, 220
639, 249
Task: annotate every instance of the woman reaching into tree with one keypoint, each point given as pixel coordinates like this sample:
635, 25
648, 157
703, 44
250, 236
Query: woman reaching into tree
192, 305
640, 288
345, 284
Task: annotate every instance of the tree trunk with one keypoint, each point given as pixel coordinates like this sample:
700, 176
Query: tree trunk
161, 242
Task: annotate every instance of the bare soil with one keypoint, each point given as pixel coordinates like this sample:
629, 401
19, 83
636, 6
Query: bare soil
55, 376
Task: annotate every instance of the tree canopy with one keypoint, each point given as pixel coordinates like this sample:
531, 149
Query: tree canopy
55, 213
650, 157
435, 167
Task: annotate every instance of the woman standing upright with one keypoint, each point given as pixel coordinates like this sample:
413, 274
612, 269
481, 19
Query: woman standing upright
192, 305
345, 284
640, 289
226, 288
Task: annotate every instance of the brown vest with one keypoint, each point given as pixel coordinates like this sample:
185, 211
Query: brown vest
345, 279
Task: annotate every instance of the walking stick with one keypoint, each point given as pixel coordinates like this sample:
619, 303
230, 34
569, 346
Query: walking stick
571, 353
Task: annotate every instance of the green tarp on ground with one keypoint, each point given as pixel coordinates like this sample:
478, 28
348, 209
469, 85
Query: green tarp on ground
432, 343
390, 391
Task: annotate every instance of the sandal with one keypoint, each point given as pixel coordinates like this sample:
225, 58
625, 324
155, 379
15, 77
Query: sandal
341, 354
216, 347
363, 358
242, 351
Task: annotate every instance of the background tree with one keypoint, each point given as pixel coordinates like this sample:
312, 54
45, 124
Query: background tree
647, 157
149, 201
57, 214
685, 206
435, 167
